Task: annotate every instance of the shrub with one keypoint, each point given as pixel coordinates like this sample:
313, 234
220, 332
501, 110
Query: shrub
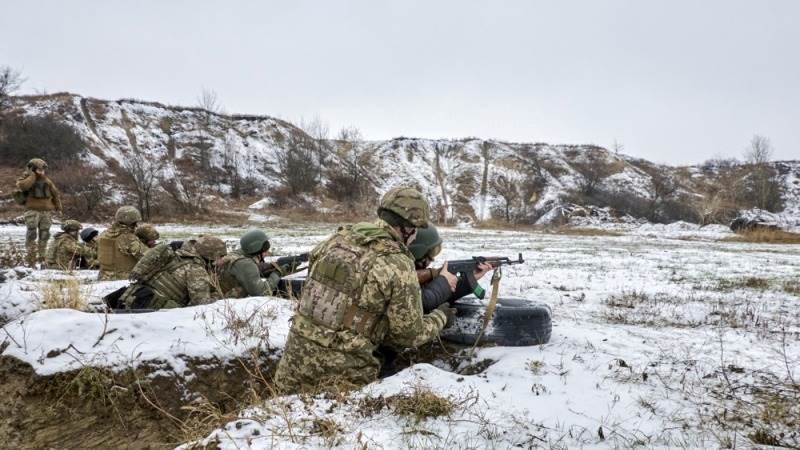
25, 137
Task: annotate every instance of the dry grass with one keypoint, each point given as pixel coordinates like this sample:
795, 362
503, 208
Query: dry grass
572, 231
792, 287
421, 403
62, 294
765, 236
743, 283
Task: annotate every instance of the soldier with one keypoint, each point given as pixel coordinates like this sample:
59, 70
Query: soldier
39, 196
147, 234
239, 273
439, 285
177, 278
361, 292
118, 248
88, 236
65, 252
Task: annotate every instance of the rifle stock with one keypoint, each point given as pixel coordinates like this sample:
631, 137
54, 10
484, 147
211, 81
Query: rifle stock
285, 265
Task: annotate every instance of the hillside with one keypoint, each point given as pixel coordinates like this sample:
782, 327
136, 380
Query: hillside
199, 153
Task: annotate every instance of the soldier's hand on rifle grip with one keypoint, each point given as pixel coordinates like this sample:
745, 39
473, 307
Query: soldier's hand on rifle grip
452, 280
482, 269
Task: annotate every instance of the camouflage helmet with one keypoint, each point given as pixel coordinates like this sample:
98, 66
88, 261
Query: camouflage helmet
146, 232
428, 242
37, 163
71, 225
87, 234
254, 242
210, 247
408, 204
128, 215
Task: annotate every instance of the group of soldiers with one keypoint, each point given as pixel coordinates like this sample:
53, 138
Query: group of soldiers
369, 291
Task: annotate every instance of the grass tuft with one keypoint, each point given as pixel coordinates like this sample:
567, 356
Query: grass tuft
63, 294
765, 236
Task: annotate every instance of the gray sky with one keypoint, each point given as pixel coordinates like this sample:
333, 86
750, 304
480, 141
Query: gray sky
672, 81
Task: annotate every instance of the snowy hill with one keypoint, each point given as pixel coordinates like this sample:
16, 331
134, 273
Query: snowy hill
466, 180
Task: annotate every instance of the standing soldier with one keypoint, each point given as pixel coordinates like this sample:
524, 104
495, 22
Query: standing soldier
239, 273
65, 252
39, 196
147, 234
362, 292
118, 248
167, 278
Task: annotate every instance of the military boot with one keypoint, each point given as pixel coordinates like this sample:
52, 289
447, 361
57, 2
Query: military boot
42, 253
30, 255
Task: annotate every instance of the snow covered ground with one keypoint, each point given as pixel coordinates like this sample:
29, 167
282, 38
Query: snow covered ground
662, 338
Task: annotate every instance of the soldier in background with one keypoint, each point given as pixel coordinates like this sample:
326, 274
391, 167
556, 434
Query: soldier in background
39, 196
89, 238
65, 252
167, 278
239, 272
147, 234
118, 248
362, 292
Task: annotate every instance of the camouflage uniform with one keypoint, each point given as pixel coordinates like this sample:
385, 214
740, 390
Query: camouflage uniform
362, 292
182, 281
41, 197
65, 252
118, 250
239, 277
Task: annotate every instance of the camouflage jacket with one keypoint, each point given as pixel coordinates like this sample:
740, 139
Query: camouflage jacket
118, 250
239, 277
40, 193
184, 281
66, 253
333, 340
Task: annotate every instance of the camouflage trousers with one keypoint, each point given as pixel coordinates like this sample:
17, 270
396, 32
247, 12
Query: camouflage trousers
38, 224
308, 367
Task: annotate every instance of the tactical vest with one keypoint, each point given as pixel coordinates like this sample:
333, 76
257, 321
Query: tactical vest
166, 286
111, 258
40, 189
227, 282
331, 295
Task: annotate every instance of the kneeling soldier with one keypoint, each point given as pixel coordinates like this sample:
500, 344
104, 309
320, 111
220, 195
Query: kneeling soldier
239, 273
65, 252
118, 248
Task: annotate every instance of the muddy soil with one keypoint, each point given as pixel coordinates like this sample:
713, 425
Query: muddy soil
134, 409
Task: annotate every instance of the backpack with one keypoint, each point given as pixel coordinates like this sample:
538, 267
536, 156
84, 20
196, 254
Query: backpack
153, 261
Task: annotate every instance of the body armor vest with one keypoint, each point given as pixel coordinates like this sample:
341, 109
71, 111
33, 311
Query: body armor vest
166, 287
227, 282
40, 189
331, 296
109, 256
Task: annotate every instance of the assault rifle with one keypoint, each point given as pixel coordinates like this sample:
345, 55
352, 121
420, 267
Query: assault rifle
284, 265
467, 267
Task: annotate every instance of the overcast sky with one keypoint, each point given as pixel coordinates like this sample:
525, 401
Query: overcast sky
672, 81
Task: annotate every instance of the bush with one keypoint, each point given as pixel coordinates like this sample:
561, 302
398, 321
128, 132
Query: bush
83, 192
25, 137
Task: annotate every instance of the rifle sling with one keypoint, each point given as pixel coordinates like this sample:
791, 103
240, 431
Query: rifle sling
487, 317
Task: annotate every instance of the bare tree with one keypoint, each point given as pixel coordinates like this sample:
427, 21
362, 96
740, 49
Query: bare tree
663, 188
319, 131
352, 180
593, 170
142, 171
297, 165
763, 185
10, 81
505, 188
209, 101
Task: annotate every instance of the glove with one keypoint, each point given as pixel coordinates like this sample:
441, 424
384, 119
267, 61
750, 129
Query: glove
449, 312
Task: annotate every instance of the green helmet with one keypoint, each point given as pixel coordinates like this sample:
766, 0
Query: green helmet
147, 232
210, 247
37, 163
71, 225
128, 215
406, 203
254, 242
428, 239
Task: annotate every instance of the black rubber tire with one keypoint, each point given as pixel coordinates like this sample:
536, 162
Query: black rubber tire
516, 323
